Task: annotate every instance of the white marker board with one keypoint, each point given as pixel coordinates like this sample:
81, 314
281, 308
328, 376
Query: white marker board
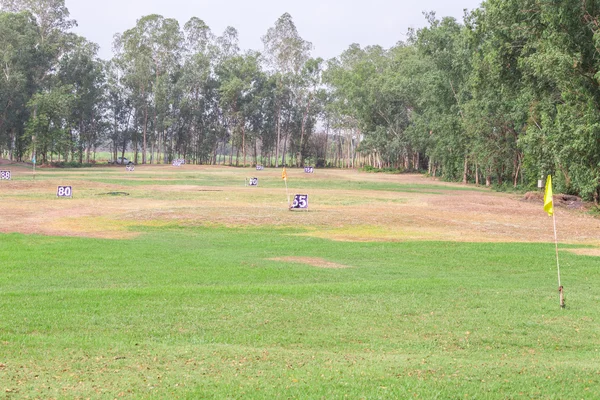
300, 202
64, 191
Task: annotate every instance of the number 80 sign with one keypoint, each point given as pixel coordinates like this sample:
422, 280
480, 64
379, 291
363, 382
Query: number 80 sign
300, 201
64, 191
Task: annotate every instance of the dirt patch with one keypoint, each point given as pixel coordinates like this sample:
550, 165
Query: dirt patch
537, 197
114, 194
314, 261
585, 252
560, 200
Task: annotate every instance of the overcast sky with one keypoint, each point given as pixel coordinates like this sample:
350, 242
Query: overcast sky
331, 25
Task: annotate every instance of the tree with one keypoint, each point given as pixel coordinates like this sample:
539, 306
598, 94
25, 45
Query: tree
18, 39
81, 70
50, 124
285, 54
237, 76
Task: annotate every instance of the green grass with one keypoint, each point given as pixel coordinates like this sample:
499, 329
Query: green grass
270, 178
203, 313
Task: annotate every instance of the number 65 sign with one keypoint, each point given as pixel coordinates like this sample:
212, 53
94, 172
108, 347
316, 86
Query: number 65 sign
300, 201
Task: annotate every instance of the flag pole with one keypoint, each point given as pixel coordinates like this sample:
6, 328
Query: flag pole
284, 176
560, 288
286, 192
549, 208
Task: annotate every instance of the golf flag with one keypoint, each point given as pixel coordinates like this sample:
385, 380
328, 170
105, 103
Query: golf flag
548, 204
284, 174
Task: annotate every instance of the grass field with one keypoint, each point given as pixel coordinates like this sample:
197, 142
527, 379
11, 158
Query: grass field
194, 286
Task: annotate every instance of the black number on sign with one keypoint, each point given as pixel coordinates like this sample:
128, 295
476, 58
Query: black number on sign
309, 170
259, 167
253, 182
64, 191
300, 201
5, 175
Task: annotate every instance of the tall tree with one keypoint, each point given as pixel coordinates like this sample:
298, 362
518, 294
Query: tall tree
285, 54
20, 57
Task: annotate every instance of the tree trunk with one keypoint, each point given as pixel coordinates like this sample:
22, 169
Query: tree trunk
12, 144
144, 144
278, 136
516, 169
159, 146
255, 152
244, 143
152, 151
302, 129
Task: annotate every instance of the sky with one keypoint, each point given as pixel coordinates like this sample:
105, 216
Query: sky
331, 25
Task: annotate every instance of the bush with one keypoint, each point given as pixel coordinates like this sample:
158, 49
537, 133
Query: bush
70, 164
368, 168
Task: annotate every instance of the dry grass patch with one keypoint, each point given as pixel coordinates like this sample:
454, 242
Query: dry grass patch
313, 261
336, 213
585, 252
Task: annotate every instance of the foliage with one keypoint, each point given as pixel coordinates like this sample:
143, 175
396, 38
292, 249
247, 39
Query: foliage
506, 97
368, 168
71, 164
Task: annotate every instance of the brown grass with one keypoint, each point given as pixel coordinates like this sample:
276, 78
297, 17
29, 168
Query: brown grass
585, 252
353, 215
313, 261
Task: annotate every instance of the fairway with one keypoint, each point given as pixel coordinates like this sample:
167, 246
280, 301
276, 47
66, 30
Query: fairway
184, 283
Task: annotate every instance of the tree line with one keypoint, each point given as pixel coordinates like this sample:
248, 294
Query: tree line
504, 97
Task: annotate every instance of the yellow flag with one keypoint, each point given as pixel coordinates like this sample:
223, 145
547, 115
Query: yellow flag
284, 174
548, 203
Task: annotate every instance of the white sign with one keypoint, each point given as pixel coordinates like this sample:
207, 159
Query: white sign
176, 163
309, 170
5, 175
300, 201
130, 167
253, 182
64, 191
259, 167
